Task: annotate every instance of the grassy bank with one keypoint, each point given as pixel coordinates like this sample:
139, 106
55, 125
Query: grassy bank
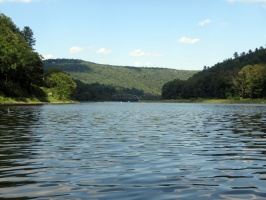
51, 100
233, 101
214, 101
9, 100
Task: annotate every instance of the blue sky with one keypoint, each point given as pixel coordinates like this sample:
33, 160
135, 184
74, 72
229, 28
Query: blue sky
179, 34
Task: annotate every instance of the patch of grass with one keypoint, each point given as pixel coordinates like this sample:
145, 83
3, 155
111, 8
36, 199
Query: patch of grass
9, 100
234, 101
214, 101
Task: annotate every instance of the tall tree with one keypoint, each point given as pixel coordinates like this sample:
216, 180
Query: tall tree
251, 81
173, 89
236, 55
20, 66
29, 36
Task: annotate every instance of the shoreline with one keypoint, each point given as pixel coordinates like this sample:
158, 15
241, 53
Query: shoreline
32, 101
36, 101
213, 101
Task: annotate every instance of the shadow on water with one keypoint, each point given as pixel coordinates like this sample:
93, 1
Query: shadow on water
16, 141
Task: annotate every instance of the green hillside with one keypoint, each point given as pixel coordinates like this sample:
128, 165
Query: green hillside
22, 77
150, 80
243, 76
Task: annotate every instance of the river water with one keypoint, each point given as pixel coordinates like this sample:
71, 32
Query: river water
133, 151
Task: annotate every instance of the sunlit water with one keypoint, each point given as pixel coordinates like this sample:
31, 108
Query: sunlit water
133, 151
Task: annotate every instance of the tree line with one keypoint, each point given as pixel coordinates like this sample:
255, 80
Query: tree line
22, 72
20, 66
243, 76
149, 80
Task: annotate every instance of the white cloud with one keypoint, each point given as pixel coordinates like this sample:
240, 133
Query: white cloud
204, 22
148, 64
137, 64
22, 1
139, 52
48, 56
157, 55
263, 2
187, 40
140, 64
247, 1
103, 51
75, 50
224, 24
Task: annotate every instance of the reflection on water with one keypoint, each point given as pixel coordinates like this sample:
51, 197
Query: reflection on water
133, 151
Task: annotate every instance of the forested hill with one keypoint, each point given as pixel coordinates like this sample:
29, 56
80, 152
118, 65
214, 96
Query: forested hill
22, 77
243, 76
149, 80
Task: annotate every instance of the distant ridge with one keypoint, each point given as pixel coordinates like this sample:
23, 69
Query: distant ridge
243, 76
150, 80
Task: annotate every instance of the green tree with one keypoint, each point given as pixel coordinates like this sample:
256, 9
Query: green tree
251, 80
28, 35
236, 55
20, 67
224, 80
61, 85
173, 89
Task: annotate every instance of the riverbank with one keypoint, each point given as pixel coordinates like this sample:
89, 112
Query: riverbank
50, 100
214, 101
22, 101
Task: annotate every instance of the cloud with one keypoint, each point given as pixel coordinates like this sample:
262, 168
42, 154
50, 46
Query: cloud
103, 51
224, 24
148, 64
187, 40
75, 50
47, 56
139, 52
157, 55
21, 1
263, 2
247, 1
204, 22
139, 64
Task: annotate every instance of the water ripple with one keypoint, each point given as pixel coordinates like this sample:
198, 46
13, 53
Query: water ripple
133, 151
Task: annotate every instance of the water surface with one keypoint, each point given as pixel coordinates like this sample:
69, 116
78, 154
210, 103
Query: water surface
133, 151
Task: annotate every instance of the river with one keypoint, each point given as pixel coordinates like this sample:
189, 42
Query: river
133, 151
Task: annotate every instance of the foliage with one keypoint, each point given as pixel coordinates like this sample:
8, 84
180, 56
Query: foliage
101, 92
28, 35
148, 80
93, 92
251, 81
21, 69
173, 89
243, 76
60, 85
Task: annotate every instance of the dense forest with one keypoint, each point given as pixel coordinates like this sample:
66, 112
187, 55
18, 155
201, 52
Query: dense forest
25, 75
243, 76
121, 78
22, 72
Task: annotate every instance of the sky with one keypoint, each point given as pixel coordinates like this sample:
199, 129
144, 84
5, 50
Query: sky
177, 34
